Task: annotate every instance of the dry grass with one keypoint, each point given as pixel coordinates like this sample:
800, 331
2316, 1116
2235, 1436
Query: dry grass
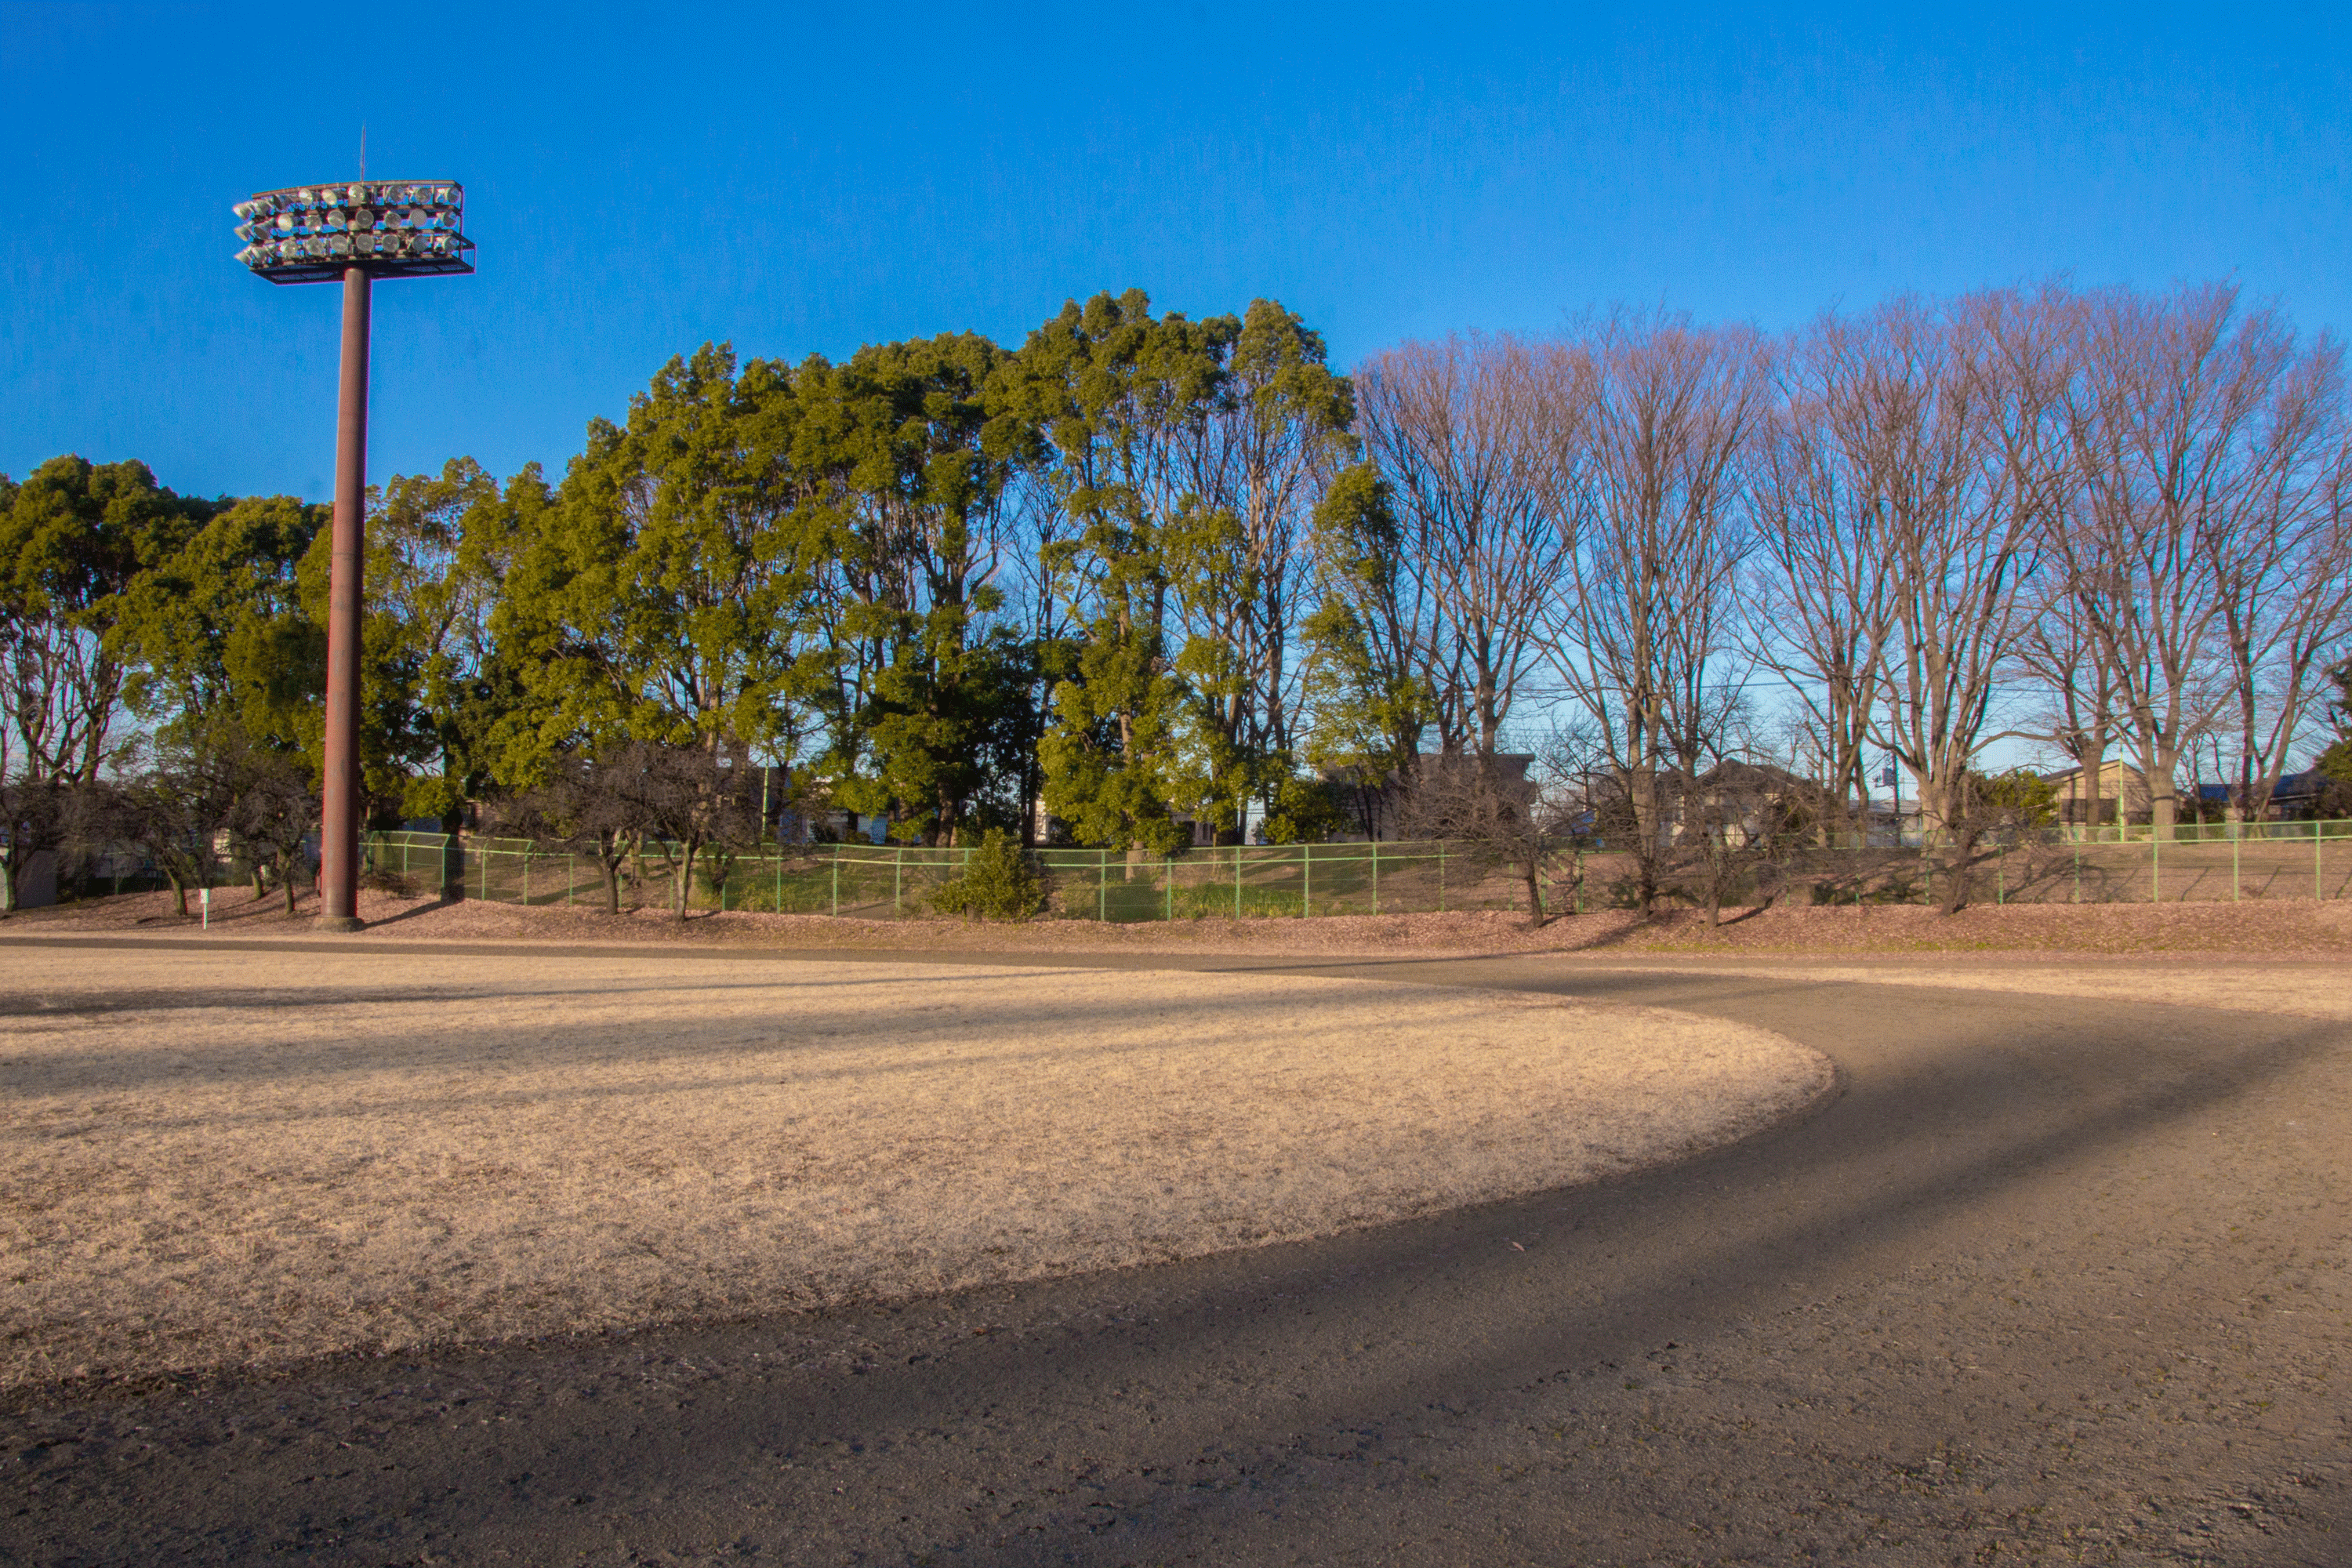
245, 1158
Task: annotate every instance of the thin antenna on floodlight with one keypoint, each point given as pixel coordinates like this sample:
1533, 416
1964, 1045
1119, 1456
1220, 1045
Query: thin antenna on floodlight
362, 149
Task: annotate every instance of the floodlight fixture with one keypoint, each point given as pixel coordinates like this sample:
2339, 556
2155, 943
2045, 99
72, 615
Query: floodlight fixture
355, 232
398, 228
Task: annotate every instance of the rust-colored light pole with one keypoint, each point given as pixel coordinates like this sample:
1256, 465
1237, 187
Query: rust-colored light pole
339, 804
355, 233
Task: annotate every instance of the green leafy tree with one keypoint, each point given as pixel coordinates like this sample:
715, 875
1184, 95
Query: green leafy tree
2018, 798
923, 694
446, 542
1368, 696
75, 538
1236, 553
220, 629
661, 596
1119, 396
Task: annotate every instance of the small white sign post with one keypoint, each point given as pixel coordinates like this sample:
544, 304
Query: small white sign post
206, 901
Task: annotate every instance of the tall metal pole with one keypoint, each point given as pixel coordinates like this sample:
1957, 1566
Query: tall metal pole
339, 826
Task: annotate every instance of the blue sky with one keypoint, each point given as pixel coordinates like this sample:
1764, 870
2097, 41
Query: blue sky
641, 179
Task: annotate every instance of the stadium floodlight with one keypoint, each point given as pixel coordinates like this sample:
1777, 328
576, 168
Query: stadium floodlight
356, 231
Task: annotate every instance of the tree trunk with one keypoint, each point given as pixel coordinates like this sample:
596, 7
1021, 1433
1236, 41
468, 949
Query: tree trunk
293, 885
1956, 874
179, 891
611, 866
453, 857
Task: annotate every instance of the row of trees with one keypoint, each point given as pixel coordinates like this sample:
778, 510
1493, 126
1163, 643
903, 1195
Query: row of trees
1150, 572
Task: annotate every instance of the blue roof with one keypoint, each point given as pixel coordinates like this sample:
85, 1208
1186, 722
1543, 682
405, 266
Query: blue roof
2305, 783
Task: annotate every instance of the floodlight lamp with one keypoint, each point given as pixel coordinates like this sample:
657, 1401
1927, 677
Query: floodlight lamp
315, 234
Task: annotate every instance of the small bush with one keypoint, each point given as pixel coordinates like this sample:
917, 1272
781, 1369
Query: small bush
998, 883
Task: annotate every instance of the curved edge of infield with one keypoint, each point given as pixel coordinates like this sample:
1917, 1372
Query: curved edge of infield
273, 1157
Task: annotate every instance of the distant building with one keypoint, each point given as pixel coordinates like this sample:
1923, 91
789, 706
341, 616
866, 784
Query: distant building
2121, 787
2296, 794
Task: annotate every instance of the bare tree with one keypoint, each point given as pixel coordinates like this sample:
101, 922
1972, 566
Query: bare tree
2059, 659
274, 813
32, 818
1647, 423
2167, 416
1964, 404
2282, 570
176, 807
687, 803
1482, 806
1823, 606
578, 806
1461, 435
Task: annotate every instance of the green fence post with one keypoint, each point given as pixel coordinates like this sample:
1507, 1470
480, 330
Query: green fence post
571, 877
1441, 876
780, 882
2078, 871
1376, 876
2000, 877
1237, 882
1576, 899
837, 882
898, 881
1102, 886
2155, 866
1306, 880
526, 877
403, 857
1170, 871
482, 859
2318, 837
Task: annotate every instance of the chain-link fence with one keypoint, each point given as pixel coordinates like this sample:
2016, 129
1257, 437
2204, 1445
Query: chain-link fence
2037, 868
2269, 860
899, 881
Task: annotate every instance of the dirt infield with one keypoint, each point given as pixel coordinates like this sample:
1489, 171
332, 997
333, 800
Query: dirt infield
247, 1158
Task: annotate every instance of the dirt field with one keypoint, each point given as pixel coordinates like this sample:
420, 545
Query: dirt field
2273, 929
2283, 991
248, 1158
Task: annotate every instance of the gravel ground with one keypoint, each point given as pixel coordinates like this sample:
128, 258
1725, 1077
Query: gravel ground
218, 1157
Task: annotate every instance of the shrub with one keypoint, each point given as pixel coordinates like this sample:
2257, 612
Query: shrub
997, 884
400, 884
